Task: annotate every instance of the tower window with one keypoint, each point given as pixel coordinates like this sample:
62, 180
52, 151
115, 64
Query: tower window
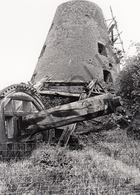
102, 49
107, 76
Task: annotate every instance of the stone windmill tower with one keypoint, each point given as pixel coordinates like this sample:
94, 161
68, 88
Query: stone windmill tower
77, 46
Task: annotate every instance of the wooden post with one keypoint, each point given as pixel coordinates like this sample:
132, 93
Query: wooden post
3, 136
11, 121
69, 129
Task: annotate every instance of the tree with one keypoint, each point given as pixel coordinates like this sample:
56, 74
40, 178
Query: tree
128, 81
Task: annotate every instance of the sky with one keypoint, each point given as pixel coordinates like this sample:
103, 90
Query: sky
24, 25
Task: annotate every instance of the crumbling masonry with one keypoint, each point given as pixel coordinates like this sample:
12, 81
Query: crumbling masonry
77, 46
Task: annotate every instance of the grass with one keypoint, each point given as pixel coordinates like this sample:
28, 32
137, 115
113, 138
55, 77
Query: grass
107, 165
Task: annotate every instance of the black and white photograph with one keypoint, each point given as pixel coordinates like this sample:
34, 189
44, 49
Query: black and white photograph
69, 97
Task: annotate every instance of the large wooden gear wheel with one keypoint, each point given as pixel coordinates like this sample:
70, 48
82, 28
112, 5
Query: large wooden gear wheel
16, 101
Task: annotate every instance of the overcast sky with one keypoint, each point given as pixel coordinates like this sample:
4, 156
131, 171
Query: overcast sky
24, 25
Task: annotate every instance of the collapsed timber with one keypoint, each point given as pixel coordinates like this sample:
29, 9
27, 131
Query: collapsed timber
23, 112
71, 113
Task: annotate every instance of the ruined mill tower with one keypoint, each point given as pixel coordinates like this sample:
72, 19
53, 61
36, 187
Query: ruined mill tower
77, 46
66, 86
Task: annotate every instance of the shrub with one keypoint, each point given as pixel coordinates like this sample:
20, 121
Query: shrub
128, 82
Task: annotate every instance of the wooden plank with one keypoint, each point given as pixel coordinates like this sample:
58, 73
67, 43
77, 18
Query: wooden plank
96, 93
26, 106
3, 137
71, 113
11, 123
25, 97
65, 83
6, 101
48, 92
21, 96
51, 133
9, 126
68, 130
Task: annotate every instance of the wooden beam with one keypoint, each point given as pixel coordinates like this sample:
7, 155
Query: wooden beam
11, 123
60, 82
26, 97
3, 137
71, 113
21, 96
48, 92
68, 130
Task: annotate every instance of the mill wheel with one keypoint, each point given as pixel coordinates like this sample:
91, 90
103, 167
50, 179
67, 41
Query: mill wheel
16, 101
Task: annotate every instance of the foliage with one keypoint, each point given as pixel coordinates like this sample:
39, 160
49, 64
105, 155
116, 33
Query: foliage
108, 165
128, 81
118, 54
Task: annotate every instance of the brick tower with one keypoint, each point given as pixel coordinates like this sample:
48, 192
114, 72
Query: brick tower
77, 46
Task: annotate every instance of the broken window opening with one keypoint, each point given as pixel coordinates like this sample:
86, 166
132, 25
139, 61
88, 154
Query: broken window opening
102, 49
107, 76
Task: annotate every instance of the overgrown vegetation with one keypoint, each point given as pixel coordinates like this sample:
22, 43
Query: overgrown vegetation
128, 87
107, 164
129, 79
128, 82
